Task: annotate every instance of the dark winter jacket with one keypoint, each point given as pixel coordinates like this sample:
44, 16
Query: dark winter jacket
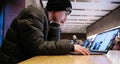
30, 34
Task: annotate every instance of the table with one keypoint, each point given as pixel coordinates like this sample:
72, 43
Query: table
112, 57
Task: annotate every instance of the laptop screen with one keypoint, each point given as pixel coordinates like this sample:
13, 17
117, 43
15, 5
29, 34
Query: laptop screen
87, 43
103, 41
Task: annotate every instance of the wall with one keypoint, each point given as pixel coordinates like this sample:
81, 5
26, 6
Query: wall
109, 21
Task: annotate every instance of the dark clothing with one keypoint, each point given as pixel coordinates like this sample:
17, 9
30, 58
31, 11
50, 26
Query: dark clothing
4, 59
30, 34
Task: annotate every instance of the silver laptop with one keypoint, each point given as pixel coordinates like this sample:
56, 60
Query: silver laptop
102, 42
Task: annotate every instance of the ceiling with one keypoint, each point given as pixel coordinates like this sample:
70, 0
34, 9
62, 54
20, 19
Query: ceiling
86, 12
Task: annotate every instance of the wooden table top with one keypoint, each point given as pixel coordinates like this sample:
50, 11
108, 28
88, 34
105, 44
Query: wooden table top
112, 57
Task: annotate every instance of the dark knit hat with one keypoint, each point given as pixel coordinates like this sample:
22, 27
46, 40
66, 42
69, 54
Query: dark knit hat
59, 5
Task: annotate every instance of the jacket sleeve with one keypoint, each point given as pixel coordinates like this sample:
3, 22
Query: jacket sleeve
31, 37
54, 31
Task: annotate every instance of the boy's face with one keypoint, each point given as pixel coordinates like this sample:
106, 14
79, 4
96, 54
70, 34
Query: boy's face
60, 17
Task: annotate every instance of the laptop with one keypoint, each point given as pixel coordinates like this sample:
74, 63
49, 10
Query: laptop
87, 43
102, 42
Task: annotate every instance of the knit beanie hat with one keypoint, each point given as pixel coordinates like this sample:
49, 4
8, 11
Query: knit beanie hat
59, 5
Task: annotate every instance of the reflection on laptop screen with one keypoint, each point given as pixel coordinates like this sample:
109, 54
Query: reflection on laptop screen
86, 43
103, 40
